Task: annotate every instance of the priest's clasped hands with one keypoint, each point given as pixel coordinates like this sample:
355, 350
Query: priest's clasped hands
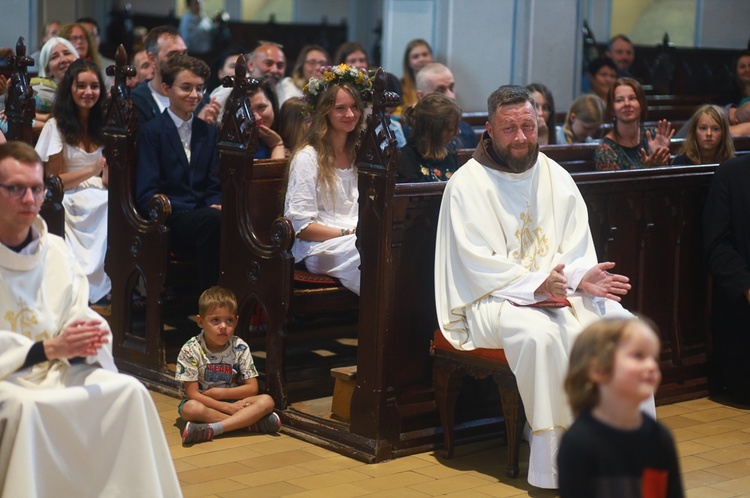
597, 282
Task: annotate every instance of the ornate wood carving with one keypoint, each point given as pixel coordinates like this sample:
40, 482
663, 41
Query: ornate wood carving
136, 246
20, 103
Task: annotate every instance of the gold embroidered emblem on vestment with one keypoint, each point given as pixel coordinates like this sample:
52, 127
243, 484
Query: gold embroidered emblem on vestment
532, 242
24, 322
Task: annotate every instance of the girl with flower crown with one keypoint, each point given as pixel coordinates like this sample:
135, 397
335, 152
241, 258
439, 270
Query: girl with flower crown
322, 196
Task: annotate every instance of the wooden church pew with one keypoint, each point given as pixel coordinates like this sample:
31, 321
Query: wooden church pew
19, 110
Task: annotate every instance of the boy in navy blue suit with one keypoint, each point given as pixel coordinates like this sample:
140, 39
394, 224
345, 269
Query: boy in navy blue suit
177, 156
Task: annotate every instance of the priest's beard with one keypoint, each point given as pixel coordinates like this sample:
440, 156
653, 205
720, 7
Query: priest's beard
518, 164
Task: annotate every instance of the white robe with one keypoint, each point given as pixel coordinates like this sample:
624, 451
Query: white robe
85, 209
498, 238
68, 430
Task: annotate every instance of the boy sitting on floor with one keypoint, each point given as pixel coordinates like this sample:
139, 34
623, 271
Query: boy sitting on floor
219, 376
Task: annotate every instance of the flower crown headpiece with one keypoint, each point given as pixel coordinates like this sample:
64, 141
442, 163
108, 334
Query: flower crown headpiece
342, 73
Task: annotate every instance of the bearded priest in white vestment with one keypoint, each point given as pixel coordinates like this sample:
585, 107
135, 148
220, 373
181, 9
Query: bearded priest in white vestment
513, 233
70, 425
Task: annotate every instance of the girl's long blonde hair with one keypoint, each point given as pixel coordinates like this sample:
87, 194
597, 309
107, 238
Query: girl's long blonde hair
724, 150
587, 108
318, 135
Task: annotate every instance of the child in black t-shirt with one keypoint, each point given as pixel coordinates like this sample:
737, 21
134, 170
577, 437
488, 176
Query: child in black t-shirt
613, 449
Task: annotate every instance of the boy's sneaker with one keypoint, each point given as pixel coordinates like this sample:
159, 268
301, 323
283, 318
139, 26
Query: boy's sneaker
196, 433
269, 424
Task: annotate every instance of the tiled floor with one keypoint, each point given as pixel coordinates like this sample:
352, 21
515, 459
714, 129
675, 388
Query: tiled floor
713, 442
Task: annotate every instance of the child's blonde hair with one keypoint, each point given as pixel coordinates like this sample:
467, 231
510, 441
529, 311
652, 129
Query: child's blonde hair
588, 109
217, 297
595, 348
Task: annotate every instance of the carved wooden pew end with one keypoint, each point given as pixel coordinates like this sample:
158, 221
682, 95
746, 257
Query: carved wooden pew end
450, 366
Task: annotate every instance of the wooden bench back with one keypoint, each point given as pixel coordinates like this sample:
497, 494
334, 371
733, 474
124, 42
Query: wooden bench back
19, 110
580, 157
256, 261
137, 247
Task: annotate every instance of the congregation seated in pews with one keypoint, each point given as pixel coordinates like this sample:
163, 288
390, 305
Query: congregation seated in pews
392, 409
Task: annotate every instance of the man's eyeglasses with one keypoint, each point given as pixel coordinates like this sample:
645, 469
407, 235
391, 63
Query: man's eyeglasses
18, 191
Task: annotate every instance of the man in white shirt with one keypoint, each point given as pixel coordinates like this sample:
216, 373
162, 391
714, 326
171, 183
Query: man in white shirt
515, 267
268, 62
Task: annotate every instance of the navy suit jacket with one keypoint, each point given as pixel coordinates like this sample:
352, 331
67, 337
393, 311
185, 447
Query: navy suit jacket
162, 166
144, 103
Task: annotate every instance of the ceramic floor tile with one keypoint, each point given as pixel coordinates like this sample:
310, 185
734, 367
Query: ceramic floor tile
207, 488
739, 486
462, 494
501, 490
713, 441
331, 464
451, 485
221, 455
272, 490
212, 473
725, 439
670, 411
340, 491
402, 493
716, 413
707, 492
439, 471
734, 470
270, 445
695, 462
394, 481
687, 448
686, 434
744, 418
393, 467
281, 459
720, 427
318, 481
728, 455
700, 404
271, 476
679, 422
698, 478
181, 466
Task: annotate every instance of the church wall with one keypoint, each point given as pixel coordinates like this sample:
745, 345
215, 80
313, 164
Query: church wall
723, 24
486, 42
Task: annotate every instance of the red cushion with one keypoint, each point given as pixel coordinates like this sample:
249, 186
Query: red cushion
305, 277
440, 342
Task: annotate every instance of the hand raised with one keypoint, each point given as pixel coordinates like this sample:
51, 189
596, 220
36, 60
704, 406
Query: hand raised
599, 282
664, 133
210, 112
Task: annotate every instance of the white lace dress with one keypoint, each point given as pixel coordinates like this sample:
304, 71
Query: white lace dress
85, 209
306, 202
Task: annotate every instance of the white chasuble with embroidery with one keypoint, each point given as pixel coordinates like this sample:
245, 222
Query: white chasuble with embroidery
500, 234
499, 237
